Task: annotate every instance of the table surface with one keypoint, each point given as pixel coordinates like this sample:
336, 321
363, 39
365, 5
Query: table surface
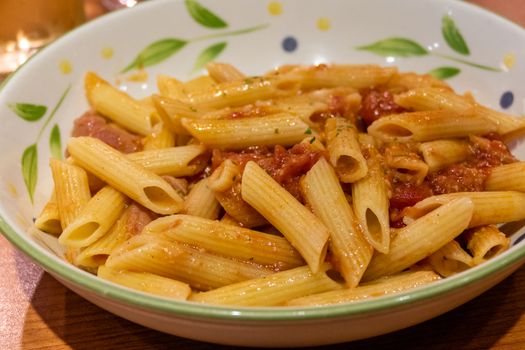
37, 312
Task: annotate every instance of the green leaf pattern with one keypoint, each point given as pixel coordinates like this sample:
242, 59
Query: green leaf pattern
208, 55
443, 73
453, 37
29, 161
405, 47
398, 47
156, 53
204, 16
30, 169
55, 142
28, 111
162, 49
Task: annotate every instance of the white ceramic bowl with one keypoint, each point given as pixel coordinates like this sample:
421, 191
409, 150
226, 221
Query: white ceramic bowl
255, 36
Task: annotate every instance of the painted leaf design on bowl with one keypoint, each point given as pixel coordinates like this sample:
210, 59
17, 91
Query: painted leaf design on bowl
55, 142
155, 53
163, 49
30, 168
453, 37
204, 16
405, 47
29, 160
28, 111
208, 55
443, 73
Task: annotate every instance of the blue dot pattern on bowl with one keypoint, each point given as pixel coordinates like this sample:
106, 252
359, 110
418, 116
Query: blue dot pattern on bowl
506, 99
519, 239
289, 44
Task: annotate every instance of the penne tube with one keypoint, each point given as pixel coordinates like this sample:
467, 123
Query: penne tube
426, 98
486, 242
430, 125
401, 82
382, 286
223, 72
171, 111
405, 163
146, 282
325, 196
302, 229
96, 253
71, 190
227, 240
242, 92
95, 219
278, 129
229, 220
422, 238
508, 177
271, 290
440, 153
49, 218
201, 201
370, 202
175, 161
168, 258
489, 207
198, 84
225, 182
450, 259
171, 87
160, 137
133, 180
119, 106
344, 150
355, 76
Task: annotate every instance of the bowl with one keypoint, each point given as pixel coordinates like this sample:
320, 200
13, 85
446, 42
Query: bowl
255, 36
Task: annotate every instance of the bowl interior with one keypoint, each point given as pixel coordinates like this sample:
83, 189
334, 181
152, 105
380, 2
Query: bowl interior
267, 35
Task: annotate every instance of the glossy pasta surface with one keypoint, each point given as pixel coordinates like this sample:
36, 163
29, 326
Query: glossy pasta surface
307, 185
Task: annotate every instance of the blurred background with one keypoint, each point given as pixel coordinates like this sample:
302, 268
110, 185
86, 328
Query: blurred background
28, 25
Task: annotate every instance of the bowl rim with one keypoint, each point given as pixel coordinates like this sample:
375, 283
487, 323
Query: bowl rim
87, 281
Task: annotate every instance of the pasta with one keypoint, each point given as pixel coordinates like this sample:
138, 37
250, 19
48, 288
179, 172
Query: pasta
308, 185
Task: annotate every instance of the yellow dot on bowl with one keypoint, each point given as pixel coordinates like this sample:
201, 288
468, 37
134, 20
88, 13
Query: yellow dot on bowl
107, 53
12, 190
509, 60
65, 67
275, 8
323, 24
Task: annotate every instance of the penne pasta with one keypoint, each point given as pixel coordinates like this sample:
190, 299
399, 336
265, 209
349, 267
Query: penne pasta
282, 129
422, 238
119, 106
430, 125
227, 240
489, 207
382, 286
325, 196
370, 203
508, 177
146, 282
450, 259
139, 184
49, 218
486, 242
304, 231
223, 72
95, 219
201, 201
344, 150
440, 153
168, 258
71, 190
271, 290
175, 161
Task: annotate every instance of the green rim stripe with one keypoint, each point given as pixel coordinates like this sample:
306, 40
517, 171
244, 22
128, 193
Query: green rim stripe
124, 295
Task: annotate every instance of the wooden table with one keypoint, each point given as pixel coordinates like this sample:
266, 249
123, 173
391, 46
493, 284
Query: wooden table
37, 312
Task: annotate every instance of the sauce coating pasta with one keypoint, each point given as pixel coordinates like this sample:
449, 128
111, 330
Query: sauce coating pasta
308, 185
